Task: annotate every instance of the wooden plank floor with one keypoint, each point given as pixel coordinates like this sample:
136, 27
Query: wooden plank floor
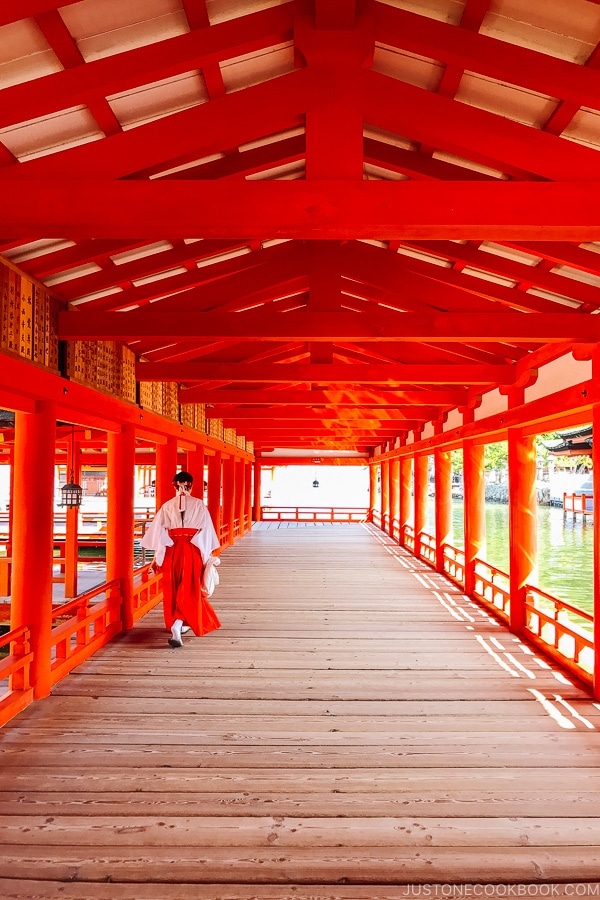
356, 729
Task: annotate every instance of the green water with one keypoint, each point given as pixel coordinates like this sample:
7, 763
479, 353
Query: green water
565, 549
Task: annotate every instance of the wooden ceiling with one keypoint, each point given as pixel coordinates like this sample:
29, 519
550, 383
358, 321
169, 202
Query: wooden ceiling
331, 222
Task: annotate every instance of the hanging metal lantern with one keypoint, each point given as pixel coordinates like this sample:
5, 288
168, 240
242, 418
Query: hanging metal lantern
72, 493
315, 483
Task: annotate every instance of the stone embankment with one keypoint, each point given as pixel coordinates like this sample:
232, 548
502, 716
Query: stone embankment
498, 493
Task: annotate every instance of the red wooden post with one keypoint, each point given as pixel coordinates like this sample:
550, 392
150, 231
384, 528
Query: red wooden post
394, 494
257, 514
240, 496
474, 509
522, 518
166, 467
372, 491
32, 501
420, 498
596, 520
11, 489
385, 495
229, 496
72, 527
214, 490
195, 466
247, 494
443, 505
120, 457
405, 511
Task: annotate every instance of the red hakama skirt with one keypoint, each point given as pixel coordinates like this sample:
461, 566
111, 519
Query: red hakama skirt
182, 571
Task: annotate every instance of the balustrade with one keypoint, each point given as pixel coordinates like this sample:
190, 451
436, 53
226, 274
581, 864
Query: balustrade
14, 673
563, 630
314, 514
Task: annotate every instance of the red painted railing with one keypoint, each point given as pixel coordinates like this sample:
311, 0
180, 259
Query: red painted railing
408, 534
314, 514
578, 503
80, 627
563, 630
14, 671
395, 529
147, 591
427, 550
491, 586
454, 564
83, 625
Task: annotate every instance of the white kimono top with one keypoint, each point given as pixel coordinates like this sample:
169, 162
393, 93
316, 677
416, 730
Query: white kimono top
169, 516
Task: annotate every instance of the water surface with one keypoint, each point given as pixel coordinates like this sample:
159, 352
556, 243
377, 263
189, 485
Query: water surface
565, 549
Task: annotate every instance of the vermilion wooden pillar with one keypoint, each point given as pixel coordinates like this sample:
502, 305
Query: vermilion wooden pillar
214, 490
522, 519
166, 467
229, 495
596, 520
372, 491
443, 505
11, 488
240, 494
5, 571
257, 489
33, 502
420, 498
72, 526
474, 509
120, 459
195, 466
385, 495
405, 512
248, 495
394, 495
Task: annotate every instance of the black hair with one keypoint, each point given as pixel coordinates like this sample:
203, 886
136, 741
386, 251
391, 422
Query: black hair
183, 477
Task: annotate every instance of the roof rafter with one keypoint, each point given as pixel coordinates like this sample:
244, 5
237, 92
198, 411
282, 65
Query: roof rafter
467, 49
473, 133
122, 71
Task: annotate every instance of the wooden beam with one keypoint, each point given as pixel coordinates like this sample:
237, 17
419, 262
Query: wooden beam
472, 133
265, 429
354, 398
241, 116
331, 412
375, 325
335, 373
336, 210
375, 436
499, 60
317, 444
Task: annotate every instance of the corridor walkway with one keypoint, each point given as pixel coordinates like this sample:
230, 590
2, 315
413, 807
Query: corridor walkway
356, 729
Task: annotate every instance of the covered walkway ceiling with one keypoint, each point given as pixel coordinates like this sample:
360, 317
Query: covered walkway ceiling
328, 220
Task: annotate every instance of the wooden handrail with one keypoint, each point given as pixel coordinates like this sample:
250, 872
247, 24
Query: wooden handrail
487, 589
15, 667
571, 643
87, 626
578, 503
427, 549
454, 564
314, 513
